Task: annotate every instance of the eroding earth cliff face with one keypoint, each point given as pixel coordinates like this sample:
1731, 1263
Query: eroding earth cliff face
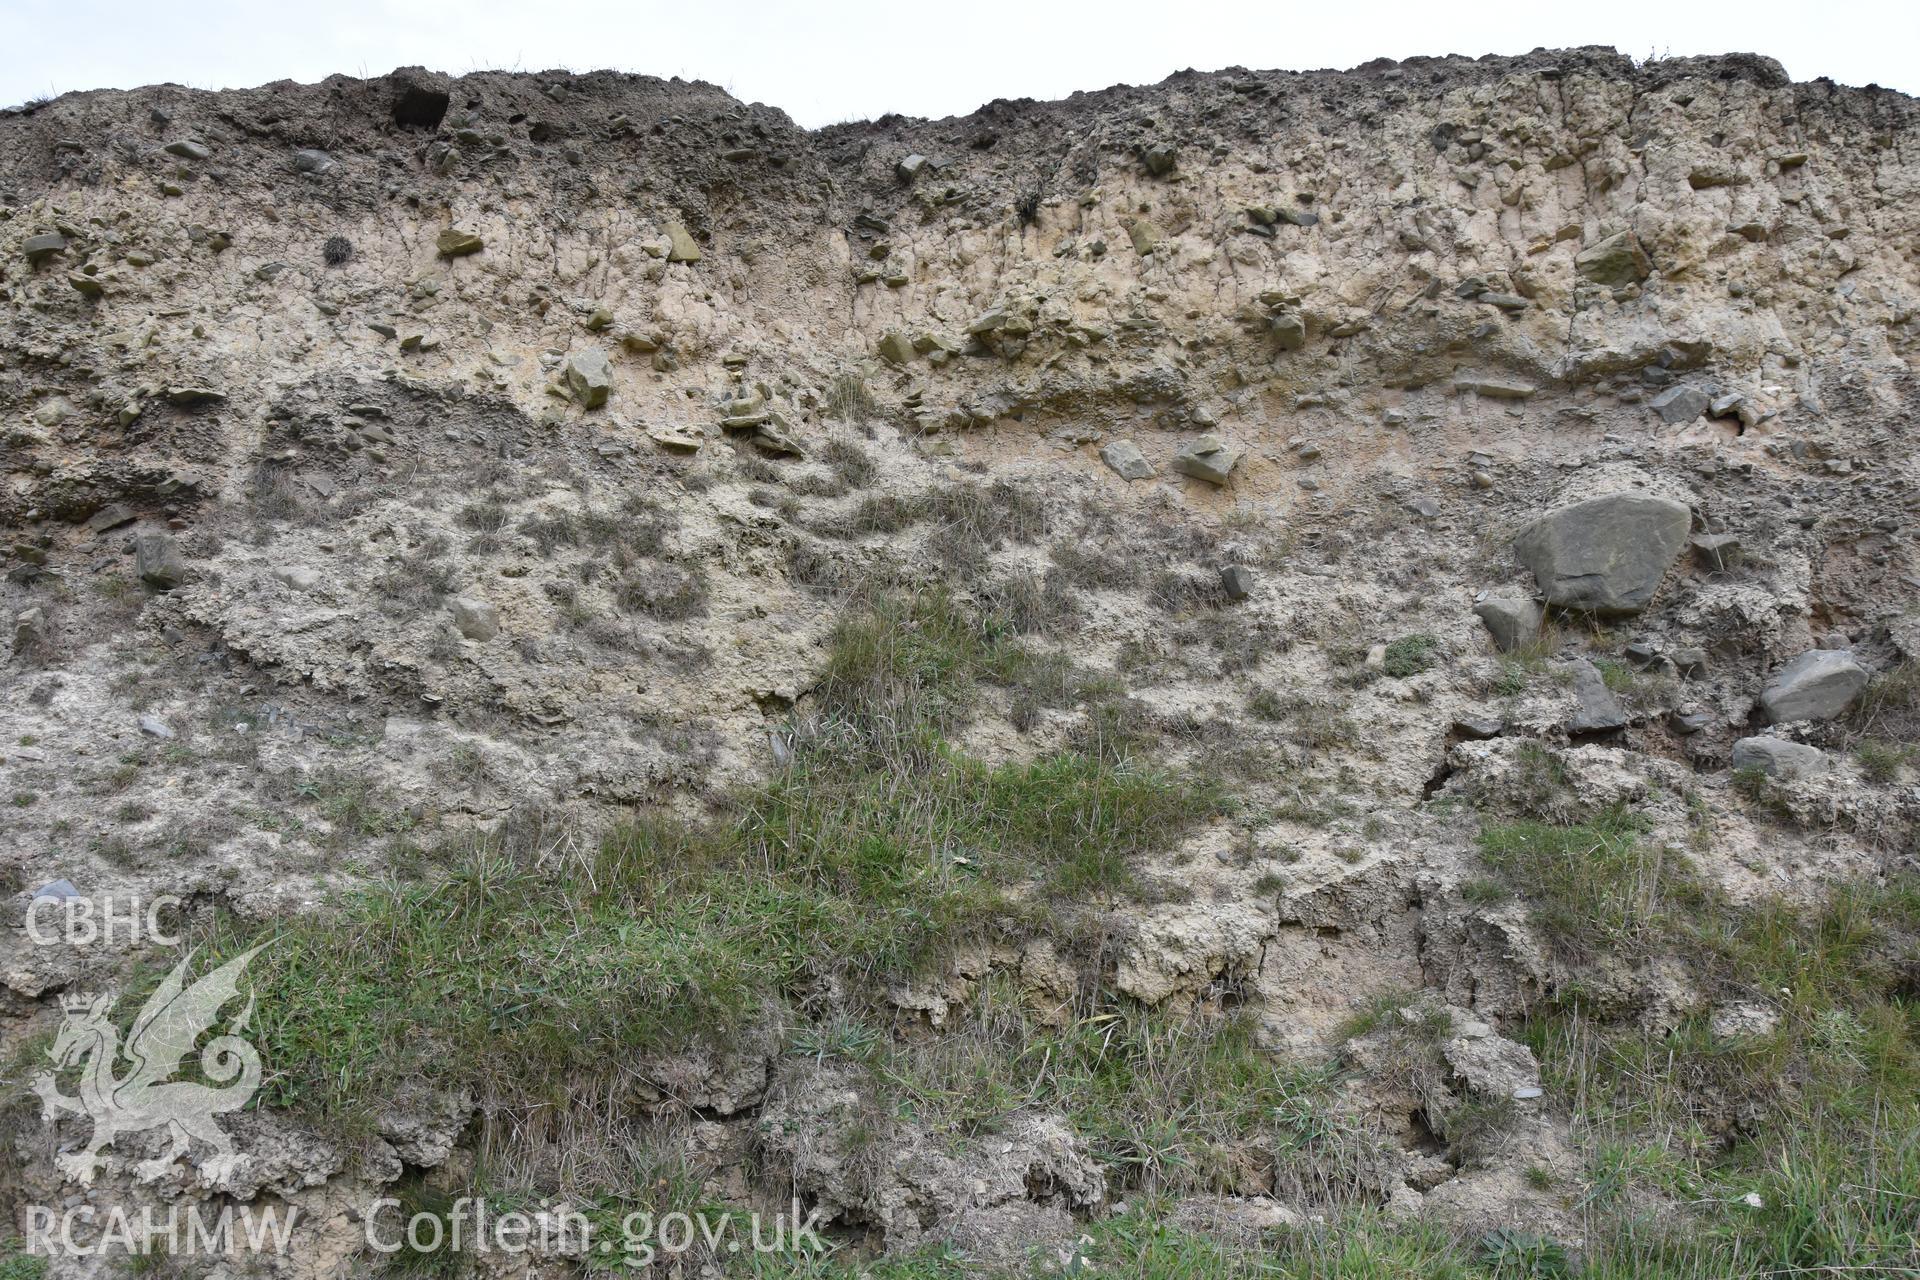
1337, 553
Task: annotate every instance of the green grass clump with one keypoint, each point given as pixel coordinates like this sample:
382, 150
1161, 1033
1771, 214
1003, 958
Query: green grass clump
1592, 886
1410, 655
1167, 1103
1883, 761
16, 1264
527, 966
1795, 1151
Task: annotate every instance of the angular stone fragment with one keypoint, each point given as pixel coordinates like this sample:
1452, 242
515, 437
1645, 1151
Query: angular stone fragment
1127, 461
1817, 685
1208, 458
590, 378
776, 439
1717, 552
30, 630
158, 561
1605, 555
476, 619
455, 243
1512, 618
1616, 260
37, 249
1478, 728
1598, 711
681, 246
300, 577
1676, 405
895, 347
1493, 388
1288, 330
1778, 758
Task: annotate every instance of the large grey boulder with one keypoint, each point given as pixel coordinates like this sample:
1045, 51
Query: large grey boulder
1596, 709
1208, 458
1817, 685
1513, 619
1778, 758
1605, 555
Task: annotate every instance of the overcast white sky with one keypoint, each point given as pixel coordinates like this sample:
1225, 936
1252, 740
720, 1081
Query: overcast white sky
836, 60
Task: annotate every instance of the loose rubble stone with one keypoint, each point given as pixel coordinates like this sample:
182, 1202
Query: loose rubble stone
896, 347
30, 629
476, 619
1208, 458
1679, 404
1160, 159
1688, 723
1616, 260
1494, 388
1597, 710
1817, 685
590, 378
455, 243
1236, 581
776, 439
682, 247
1512, 618
1777, 757
1479, 728
1488, 1065
299, 577
1605, 555
37, 249
158, 561
1288, 330
1127, 461
1717, 552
